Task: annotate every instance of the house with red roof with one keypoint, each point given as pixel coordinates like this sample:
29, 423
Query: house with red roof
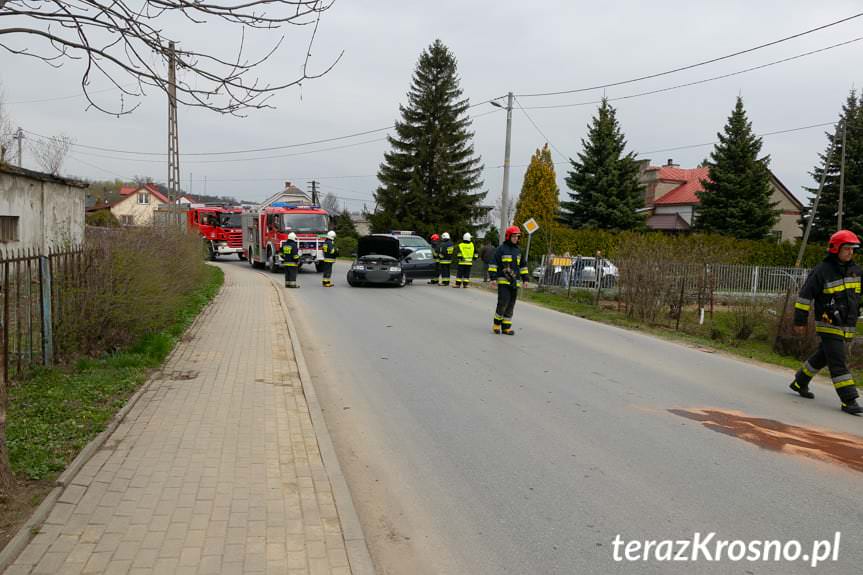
671, 200
133, 205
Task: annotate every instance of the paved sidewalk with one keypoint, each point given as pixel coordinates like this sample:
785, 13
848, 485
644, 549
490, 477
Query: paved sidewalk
216, 469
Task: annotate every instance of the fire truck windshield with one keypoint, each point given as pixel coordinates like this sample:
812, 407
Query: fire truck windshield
230, 220
304, 223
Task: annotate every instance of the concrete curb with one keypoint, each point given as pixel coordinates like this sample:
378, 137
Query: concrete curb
22, 538
355, 542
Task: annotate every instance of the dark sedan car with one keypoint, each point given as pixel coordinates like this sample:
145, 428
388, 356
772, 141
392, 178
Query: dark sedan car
419, 264
378, 261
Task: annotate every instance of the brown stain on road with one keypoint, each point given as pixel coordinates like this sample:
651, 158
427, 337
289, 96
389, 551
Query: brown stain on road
836, 448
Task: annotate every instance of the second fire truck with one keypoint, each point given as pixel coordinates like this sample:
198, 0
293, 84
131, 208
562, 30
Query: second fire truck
266, 229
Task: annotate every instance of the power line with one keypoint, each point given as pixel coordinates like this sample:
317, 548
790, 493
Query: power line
691, 66
697, 82
541, 133
70, 97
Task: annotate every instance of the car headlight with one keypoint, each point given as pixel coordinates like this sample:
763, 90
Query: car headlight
395, 269
359, 267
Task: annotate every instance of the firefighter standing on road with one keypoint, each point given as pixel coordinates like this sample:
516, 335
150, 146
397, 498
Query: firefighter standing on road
465, 254
291, 260
435, 244
508, 269
329, 249
445, 250
833, 289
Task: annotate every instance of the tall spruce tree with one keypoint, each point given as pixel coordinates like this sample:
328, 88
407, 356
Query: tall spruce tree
736, 197
826, 217
605, 189
429, 180
540, 197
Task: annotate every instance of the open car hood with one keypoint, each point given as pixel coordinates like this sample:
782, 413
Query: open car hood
378, 245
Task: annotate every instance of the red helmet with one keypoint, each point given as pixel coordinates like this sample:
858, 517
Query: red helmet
512, 230
841, 238
435, 237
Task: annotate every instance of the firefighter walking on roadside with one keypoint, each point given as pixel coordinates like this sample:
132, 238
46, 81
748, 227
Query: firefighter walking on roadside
329, 249
833, 290
507, 269
445, 249
291, 260
435, 244
465, 253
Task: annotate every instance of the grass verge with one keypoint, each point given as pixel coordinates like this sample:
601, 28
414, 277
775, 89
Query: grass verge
56, 412
582, 306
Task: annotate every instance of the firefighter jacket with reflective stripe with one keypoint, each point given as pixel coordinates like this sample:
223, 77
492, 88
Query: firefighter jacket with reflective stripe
290, 253
434, 247
445, 251
465, 254
507, 266
330, 252
832, 290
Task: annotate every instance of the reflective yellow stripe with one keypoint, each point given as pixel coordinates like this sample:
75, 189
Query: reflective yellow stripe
506, 258
802, 306
807, 372
492, 268
524, 271
834, 331
502, 281
841, 384
854, 285
291, 265
326, 261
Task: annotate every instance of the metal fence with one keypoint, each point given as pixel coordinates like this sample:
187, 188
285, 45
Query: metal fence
567, 272
33, 290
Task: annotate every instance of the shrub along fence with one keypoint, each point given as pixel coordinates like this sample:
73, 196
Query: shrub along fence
82, 301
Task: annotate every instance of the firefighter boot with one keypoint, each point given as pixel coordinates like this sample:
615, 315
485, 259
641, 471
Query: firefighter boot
851, 406
495, 327
507, 328
803, 390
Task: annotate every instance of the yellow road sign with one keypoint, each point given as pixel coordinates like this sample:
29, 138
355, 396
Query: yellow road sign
531, 226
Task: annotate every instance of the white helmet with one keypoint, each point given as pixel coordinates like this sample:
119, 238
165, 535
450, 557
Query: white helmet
292, 236
331, 234
444, 236
466, 237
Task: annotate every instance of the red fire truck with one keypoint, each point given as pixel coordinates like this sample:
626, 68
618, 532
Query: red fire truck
265, 230
219, 227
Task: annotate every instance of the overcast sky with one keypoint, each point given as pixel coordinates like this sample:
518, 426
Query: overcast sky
520, 47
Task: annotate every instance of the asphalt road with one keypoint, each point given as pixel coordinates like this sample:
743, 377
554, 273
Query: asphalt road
469, 453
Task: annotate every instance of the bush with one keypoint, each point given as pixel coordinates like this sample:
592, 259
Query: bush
748, 315
346, 245
128, 284
712, 248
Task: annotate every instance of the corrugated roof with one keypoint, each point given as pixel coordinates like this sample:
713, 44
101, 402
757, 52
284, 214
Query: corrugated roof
690, 183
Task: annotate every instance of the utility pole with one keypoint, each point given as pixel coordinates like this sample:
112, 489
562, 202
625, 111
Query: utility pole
842, 173
504, 197
827, 160
314, 192
190, 183
173, 138
19, 135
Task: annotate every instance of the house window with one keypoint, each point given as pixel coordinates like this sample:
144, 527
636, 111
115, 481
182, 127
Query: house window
127, 220
143, 198
8, 228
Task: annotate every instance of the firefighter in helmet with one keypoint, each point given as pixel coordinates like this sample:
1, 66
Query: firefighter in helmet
435, 244
832, 290
508, 269
291, 260
330, 252
465, 254
445, 249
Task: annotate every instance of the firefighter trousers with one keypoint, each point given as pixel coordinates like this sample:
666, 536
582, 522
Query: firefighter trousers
436, 278
831, 353
506, 296
291, 270
462, 277
327, 270
444, 273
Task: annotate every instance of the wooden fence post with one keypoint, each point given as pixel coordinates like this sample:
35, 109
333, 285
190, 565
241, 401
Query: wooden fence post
47, 328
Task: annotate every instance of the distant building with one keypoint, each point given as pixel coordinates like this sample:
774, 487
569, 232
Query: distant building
671, 201
134, 205
39, 211
291, 195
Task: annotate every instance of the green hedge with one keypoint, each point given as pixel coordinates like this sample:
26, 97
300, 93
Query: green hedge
712, 248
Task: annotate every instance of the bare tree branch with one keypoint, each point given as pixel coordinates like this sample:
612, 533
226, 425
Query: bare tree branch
51, 152
125, 38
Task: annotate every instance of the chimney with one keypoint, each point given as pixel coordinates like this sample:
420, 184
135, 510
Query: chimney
671, 163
